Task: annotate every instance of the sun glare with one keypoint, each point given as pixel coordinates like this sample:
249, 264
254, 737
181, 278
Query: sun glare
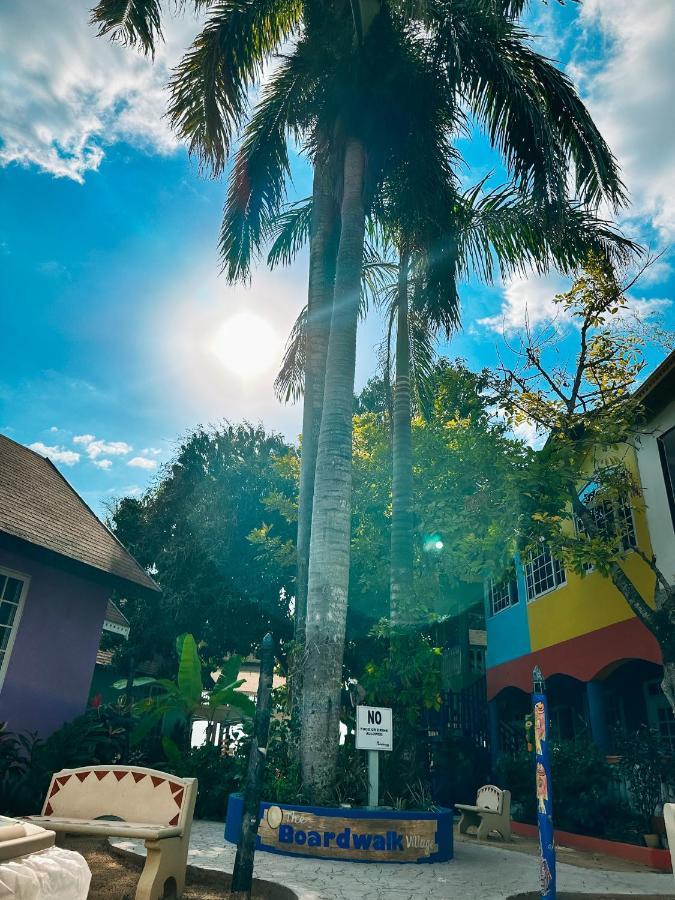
245, 344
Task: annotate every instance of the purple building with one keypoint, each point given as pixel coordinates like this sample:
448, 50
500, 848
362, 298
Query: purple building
58, 567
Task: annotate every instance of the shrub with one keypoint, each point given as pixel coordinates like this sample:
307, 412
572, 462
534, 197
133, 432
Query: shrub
582, 798
96, 738
218, 777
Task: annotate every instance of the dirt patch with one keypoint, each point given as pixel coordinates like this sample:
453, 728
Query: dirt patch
566, 896
115, 874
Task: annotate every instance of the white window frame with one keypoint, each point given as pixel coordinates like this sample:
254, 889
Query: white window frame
511, 585
616, 512
25, 579
556, 585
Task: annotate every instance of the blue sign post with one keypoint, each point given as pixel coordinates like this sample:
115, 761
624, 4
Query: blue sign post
543, 781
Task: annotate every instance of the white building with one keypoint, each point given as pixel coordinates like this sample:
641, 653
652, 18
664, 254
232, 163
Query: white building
656, 461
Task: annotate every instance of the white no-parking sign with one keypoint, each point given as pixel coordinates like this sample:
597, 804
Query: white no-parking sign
374, 730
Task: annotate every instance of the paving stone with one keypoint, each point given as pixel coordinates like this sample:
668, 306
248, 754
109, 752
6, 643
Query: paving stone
478, 872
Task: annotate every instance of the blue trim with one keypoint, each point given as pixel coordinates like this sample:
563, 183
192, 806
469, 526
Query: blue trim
443, 818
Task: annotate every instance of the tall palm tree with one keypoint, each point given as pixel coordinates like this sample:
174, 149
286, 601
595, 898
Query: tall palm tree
369, 101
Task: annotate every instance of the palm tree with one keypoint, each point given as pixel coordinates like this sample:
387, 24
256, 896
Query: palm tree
368, 95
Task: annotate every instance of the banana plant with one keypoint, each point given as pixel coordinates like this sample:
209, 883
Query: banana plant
186, 697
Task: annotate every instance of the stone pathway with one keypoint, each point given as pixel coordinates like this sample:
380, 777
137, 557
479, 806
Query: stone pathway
478, 872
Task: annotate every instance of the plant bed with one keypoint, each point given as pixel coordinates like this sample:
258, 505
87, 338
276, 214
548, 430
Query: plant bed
345, 833
646, 856
115, 873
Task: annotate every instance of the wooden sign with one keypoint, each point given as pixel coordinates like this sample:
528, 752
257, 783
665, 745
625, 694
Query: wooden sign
351, 834
310, 834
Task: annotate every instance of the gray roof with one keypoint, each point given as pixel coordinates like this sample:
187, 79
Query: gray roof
37, 505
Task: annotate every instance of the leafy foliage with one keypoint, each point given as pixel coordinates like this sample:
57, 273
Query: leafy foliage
645, 766
181, 700
197, 529
584, 802
96, 738
576, 485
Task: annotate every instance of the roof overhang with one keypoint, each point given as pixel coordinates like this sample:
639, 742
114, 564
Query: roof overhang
74, 567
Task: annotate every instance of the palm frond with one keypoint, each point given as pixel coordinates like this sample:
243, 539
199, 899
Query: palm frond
378, 276
528, 108
257, 186
504, 231
209, 88
290, 231
132, 22
290, 382
422, 357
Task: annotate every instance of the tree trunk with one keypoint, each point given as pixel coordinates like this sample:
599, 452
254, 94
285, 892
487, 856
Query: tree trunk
331, 518
322, 253
658, 620
401, 577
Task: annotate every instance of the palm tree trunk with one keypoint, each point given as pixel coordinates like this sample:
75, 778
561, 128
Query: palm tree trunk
401, 573
322, 254
331, 516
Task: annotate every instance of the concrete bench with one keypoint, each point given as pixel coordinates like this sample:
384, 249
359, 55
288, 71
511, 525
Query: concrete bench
133, 802
492, 812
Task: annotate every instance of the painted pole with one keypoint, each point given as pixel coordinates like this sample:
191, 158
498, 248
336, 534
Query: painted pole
373, 778
242, 876
543, 782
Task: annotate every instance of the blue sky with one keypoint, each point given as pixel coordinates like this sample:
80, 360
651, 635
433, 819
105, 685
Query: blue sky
109, 287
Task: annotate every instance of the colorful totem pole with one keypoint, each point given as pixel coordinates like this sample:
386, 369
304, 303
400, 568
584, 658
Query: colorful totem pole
543, 782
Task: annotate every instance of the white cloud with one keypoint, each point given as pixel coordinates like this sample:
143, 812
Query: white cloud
56, 454
66, 94
103, 463
94, 448
530, 434
151, 451
530, 300
140, 462
53, 429
526, 299
630, 95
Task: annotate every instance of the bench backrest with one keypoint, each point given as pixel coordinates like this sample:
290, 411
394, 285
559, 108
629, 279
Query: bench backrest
130, 793
491, 797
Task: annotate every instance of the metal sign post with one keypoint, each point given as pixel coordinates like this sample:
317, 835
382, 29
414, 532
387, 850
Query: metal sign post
543, 782
374, 732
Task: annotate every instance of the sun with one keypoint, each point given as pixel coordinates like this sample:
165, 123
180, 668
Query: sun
245, 344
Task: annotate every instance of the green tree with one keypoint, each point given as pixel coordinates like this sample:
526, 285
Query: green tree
576, 486
201, 529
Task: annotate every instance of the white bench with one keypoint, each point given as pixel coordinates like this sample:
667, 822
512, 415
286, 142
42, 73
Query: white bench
492, 812
133, 802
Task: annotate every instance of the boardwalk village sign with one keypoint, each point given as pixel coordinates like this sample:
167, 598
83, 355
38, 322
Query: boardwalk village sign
372, 834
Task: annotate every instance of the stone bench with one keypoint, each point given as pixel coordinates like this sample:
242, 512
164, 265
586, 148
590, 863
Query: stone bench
128, 801
492, 812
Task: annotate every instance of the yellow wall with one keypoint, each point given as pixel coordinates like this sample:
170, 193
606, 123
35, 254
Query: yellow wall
587, 603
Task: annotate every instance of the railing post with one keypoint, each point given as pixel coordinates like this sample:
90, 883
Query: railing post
543, 783
242, 876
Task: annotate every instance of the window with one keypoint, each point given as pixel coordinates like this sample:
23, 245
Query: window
543, 573
667, 453
476, 660
11, 597
613, 520
502, 594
